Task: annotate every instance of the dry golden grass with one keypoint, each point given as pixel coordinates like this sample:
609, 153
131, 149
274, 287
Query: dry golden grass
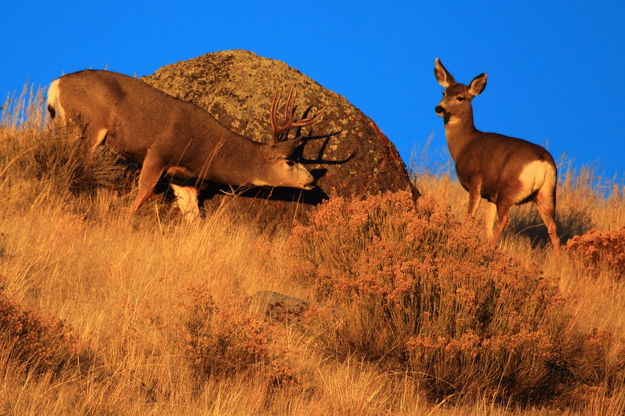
157, 307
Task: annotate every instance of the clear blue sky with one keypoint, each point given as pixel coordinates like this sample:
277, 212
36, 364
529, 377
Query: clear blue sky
556, 68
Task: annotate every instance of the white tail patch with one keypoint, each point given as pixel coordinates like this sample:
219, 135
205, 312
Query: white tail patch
534, 176
53, 99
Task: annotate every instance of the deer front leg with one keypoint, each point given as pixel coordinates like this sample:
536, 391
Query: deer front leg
186, 197
150, 173
475, 190
489, 221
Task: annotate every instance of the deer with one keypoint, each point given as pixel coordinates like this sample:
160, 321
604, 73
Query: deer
505, 171
163, 134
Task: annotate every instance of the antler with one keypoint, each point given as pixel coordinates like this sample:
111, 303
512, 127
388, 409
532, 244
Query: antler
288, 123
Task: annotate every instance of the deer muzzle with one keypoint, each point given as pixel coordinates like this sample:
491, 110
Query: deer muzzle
440, 111
310, 184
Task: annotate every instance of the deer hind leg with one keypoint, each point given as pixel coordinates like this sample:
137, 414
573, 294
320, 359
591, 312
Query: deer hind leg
150, 173
99, 138
186, 197
502, 212
546, 205
94, 136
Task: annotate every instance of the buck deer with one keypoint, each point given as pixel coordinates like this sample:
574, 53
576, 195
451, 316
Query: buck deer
503, 170
165, 134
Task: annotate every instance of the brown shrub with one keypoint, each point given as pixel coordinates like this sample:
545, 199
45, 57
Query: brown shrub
424, 294
39, 344
600, 248
228, 339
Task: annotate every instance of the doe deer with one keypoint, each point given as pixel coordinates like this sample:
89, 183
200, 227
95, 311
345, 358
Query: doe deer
505, 171
165, 134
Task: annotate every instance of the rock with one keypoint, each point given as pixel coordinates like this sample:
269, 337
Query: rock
279, 307
346, 151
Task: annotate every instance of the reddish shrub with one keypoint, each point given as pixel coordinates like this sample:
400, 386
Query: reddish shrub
599, 248
40, 344
227, 339
423, 292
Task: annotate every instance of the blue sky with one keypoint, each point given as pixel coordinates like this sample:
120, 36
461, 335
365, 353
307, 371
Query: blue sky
556, 69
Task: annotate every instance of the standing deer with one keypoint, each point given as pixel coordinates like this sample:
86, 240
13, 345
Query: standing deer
503, 170
165, 134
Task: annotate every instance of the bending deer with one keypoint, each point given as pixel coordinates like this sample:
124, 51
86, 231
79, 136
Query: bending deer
165, 134
503, 170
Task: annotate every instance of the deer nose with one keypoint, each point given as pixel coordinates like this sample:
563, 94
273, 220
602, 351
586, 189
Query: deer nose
439, 109
310, 183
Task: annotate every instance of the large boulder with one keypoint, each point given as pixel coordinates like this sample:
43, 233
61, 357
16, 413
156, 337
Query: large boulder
346, 151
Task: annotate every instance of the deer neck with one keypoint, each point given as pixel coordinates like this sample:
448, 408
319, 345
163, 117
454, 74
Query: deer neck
459, 132
242, 161
237, 160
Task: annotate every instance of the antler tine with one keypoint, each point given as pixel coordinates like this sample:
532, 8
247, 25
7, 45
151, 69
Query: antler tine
310, 120
272, 114
288, 123
290, 104
305, 121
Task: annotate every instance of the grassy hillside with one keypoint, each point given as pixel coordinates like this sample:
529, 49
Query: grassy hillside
412, 314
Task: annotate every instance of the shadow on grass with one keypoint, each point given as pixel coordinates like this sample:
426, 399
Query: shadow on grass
569, 222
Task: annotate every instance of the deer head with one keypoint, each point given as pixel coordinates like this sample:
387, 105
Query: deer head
284, 171
456, 103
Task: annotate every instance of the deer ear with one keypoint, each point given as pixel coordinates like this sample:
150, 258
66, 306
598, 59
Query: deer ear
442, 74
286, 148
478, 84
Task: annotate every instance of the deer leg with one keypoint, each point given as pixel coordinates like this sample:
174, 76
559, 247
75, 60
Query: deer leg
474, 203
94, 137
99, 138
150, 173
489, 221
546, 208
186, 197
502, 212
474, 195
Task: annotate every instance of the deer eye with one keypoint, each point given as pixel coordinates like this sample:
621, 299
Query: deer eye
460, 98
443, 93
290, 163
